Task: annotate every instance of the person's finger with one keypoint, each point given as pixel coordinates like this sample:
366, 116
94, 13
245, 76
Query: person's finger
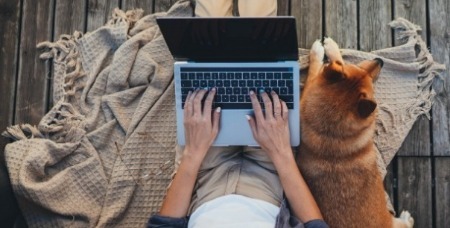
198, 102
216, 120
276, 105
256, 107
187, 106
208, 103
285, 113
253, 126
267, 105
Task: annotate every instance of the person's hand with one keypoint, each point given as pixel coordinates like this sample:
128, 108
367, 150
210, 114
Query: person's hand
271, 130
200, 126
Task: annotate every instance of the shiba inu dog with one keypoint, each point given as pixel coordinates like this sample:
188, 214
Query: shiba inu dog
337, 155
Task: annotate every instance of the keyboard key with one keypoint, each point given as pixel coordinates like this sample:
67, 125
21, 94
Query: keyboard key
234, 83
183, 98
211, 83
265, 82
257, 83
268, 90
269, 75
236, 91
246, 75
277, 90
247, 98
289, 83
287, 98
226, 83
290, 105
290, 90
238, 75
261, 75
196, 83
207, 76
215, 76
184, 76
277, 75
241, 98
287, 75
221, 91
253, 76
242, 83
225, 98
230, 75
186, 83
273, 83
233, 98
229, 91
222, 76
283, 91
219, 83
235, 105
281, 83
185, 91
199, 76
217, 98
250, 83
244, 91
203, 84
191, 76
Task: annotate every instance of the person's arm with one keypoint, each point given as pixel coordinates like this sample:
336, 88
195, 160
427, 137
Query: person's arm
201, 128
271, 131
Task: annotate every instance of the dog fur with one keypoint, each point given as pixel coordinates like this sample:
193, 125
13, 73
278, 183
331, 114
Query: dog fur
337, 155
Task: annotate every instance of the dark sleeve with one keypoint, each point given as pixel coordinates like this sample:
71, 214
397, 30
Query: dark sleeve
317, 223
158, 221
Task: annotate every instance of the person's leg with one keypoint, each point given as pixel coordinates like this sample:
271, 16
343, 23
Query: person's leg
213, 8
258, 177
257, 8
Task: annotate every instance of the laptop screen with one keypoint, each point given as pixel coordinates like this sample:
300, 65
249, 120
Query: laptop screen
230, 39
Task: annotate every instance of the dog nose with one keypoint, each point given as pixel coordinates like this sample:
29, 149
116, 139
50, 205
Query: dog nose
379, 61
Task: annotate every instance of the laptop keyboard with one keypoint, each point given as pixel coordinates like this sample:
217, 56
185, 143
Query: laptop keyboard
234, 84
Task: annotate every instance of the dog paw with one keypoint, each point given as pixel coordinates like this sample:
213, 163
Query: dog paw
332, 49
317, 51
406, 217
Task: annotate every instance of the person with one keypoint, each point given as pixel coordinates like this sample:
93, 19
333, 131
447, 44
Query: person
237, 186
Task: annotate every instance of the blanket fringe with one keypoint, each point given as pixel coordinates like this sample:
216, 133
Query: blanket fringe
429, 69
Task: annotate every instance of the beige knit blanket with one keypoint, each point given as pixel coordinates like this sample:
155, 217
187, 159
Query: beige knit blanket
104, 154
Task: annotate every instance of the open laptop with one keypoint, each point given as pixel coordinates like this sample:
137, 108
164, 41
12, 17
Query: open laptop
235, 55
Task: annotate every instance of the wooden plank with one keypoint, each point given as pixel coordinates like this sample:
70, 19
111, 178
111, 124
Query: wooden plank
32, 83
9, 41
341, 22
414, 11
283, 7
415, 189
390, 181
309, 21
99, 12
163, 5
146, 5
440, 47
442, 191
374, 30
69, 16
418, 141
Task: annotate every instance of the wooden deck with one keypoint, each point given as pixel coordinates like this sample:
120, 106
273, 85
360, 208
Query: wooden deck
419, 177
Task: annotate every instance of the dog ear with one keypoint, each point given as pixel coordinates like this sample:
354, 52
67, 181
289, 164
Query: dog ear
333, 72
366, 107
373, 67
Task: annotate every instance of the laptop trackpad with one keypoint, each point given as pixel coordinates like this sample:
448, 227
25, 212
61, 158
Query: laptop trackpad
235, 129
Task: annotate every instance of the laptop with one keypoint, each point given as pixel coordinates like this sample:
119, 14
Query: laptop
235, 55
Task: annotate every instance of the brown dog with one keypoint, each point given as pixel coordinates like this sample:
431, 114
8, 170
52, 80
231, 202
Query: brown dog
337, 156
